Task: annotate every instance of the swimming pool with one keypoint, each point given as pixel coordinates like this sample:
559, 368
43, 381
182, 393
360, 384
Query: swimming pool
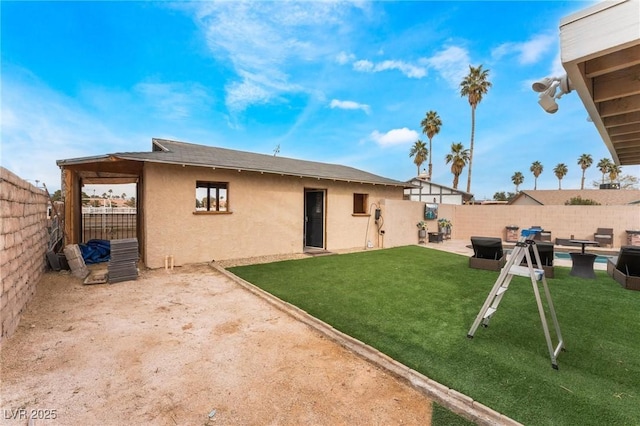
565, 256
560, 255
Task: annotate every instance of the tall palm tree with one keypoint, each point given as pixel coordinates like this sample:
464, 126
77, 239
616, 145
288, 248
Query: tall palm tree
536, 168
614, 171
458, 157
419, 153
474, 86
585, 161
517, 179
603, 166
560, 171
431, 126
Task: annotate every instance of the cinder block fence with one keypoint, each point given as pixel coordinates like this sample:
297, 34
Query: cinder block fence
23, 245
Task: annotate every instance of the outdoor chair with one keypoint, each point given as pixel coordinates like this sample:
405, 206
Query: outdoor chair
541, 235
487, 253
625, 268
604, 236
545, 250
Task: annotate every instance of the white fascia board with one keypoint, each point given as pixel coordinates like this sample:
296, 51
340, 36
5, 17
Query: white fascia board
603, 28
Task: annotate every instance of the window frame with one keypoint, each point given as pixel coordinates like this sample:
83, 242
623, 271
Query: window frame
213, 188
360, 201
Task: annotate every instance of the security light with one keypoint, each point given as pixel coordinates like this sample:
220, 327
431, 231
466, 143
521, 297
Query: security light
547, 101
547, 88
542, 85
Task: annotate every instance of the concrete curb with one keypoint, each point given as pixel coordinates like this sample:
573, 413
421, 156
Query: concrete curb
449, 398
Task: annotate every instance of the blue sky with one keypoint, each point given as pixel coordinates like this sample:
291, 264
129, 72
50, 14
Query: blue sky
337, 82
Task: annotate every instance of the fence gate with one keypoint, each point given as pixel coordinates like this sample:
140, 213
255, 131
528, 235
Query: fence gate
108, 223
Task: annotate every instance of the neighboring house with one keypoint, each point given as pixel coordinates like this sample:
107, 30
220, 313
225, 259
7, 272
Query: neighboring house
549, 197
200, 203
422, 189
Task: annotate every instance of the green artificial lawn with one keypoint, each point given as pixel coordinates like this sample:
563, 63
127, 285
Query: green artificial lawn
440, 416
417, 305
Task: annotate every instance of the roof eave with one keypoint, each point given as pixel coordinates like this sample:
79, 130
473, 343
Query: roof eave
263, 171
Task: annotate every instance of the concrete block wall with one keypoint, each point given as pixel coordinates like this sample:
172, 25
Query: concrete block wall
23, 245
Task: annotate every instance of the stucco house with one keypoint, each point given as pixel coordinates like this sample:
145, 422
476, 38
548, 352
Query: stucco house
556, 197
201, 203
422, 189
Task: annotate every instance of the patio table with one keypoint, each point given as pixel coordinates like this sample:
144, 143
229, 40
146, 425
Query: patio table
582, 263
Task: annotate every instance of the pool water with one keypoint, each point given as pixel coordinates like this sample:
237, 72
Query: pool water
566, 256
559, 255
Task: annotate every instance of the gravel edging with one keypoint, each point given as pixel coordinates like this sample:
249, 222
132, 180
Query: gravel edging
449, 398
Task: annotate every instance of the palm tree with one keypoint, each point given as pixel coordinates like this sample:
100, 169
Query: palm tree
431, 126
585, 161
560, 171
603, 166
459, 157
614, 171
517, 179
474, 86
419, 153
536, 168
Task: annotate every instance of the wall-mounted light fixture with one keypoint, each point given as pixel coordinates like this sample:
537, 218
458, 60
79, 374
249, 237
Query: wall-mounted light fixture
547, 88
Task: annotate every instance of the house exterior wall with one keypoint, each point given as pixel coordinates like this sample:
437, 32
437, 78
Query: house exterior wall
266, 215
563, 221
23, 244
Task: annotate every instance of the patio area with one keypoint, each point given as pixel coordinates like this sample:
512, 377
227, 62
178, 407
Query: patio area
463, 247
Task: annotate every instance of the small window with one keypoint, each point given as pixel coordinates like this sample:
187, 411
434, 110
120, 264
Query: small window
211, 197
360, 203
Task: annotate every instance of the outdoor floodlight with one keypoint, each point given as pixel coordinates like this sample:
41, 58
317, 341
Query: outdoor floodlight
542, 85
547, 88
547, 101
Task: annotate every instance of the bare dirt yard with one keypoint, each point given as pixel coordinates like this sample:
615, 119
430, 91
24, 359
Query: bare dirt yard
185, 347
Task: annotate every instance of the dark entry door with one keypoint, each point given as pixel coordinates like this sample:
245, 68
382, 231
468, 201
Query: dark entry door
314, 218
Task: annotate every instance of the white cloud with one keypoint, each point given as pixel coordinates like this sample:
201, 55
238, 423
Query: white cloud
394, 137
40, 126
173, 100
269, 39
451, 63
528, 52
344, 58
363, 66
335, 103
411, 71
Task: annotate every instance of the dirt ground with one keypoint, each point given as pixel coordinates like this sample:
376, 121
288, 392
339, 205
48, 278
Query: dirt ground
185, 347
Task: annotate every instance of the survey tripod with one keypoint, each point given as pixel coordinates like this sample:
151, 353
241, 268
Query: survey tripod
512, 268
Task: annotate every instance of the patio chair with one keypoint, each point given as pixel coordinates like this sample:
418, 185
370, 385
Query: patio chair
545, 250
625, 268
487, 253
541, 235
604, 236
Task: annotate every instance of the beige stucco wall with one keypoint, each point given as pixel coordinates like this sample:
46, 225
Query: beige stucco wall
266, 215
23, 244
562, 221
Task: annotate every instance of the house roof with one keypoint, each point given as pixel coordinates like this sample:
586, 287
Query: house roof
416, 181
600, 50
607, 197
182, 153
